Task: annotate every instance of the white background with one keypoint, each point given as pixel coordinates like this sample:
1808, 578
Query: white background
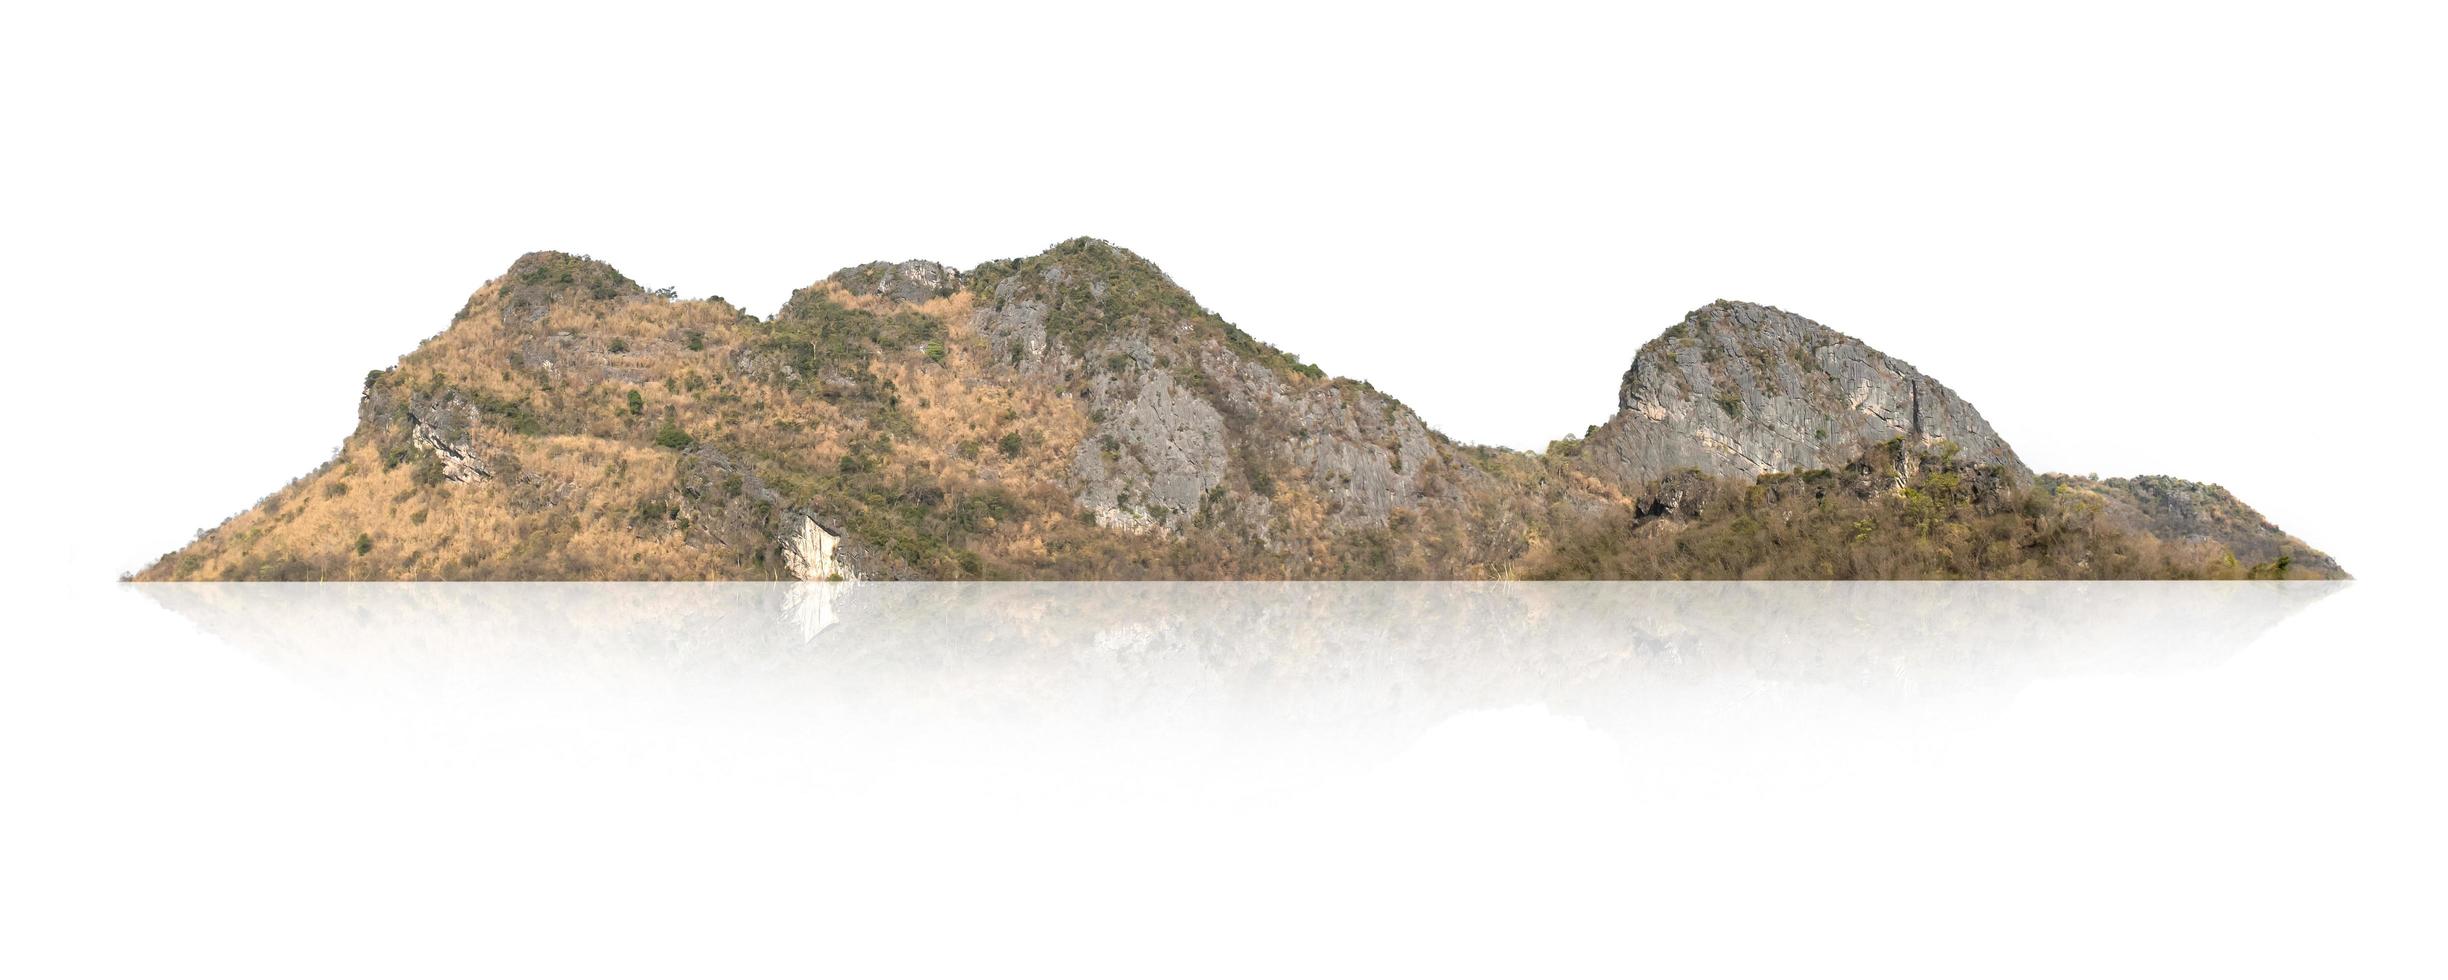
2196, 239
323, 787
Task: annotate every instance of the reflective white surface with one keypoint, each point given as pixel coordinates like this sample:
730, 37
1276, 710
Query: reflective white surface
1226, 779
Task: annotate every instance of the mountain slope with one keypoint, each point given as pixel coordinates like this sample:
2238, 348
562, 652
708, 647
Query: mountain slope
1072, 414
1899, 511
2185, 511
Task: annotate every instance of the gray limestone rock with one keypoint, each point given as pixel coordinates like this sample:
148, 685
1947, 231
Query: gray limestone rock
1156, 451
1739, 389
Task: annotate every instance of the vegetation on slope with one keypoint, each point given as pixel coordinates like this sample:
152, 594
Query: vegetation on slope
616, 432
2172, 508
1094, 289
1897, 512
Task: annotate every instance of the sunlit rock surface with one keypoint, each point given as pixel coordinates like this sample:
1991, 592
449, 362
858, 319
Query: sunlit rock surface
1740, 389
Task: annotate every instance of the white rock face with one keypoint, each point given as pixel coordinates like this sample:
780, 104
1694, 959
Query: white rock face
810, 554
1133, 521
810, 606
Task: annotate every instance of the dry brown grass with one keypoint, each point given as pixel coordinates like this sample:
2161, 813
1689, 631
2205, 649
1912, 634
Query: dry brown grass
567, 506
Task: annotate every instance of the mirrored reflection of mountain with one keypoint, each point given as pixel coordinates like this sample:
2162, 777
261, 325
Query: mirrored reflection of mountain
1268, 671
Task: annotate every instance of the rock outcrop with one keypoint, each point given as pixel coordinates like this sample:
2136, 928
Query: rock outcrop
1196, 424
812, 551
1157, 450
902, 282
459, 463
1739, 389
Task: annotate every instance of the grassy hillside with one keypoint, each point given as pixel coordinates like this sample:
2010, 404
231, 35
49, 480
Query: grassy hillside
1897, 512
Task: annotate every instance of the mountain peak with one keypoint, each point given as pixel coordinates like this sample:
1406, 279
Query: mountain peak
1086, 291
538, 280
1091, 264
1740, 389
914, 281
1745, 323
557, 270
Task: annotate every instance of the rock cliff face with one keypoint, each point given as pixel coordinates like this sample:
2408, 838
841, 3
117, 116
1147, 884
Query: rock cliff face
1078, 414
1739, 389
1197, 427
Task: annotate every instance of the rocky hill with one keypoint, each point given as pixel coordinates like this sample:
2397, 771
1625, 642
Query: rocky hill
1077, 414
1738, 389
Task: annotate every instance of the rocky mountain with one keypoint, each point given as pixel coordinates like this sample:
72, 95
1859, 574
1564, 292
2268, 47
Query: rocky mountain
1738, 389
1077, 414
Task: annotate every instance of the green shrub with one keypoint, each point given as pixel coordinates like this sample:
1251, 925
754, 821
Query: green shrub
1010, 445
818, 337
517, 416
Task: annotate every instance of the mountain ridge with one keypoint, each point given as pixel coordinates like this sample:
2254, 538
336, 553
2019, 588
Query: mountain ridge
1079, 414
